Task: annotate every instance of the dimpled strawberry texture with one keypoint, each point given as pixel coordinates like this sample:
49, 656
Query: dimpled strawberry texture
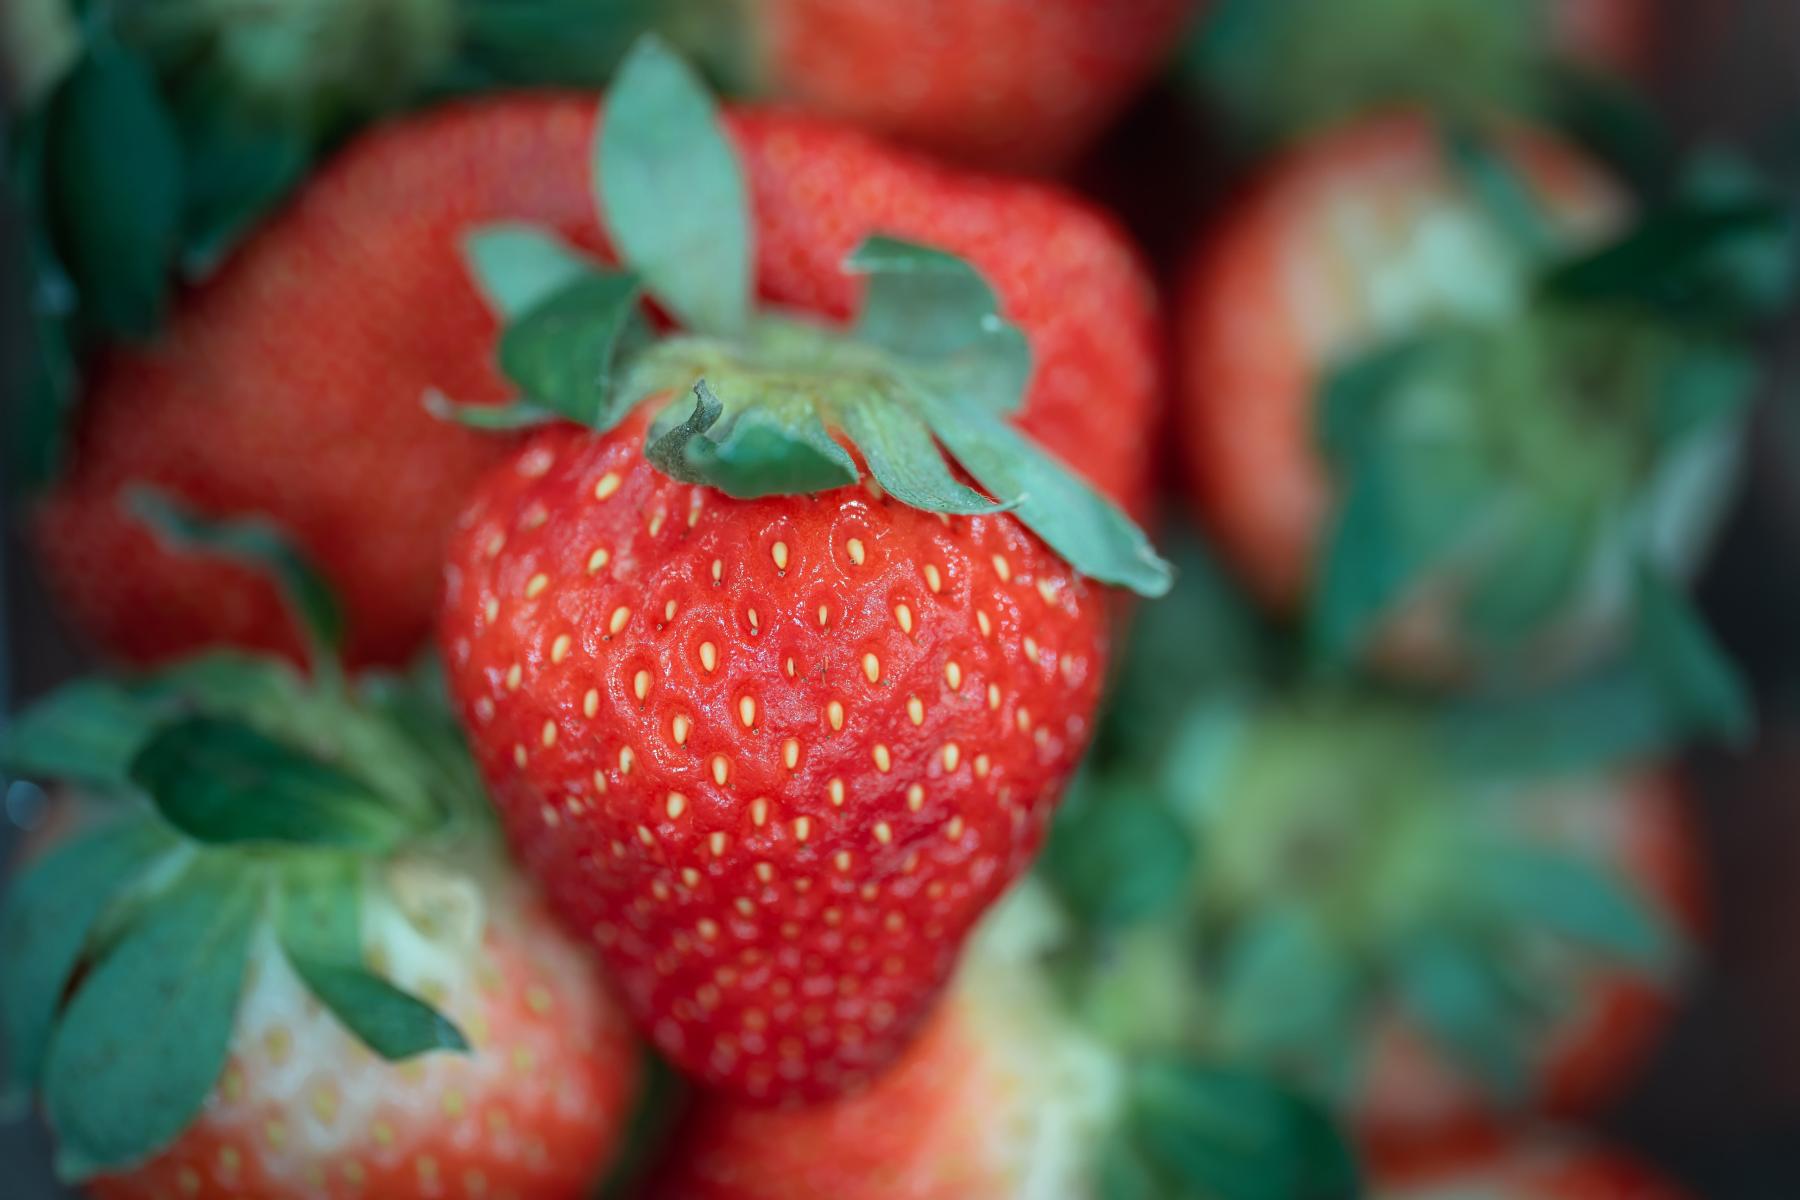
1020, 84
774, 756
536, 1110
1356, 237
290, 383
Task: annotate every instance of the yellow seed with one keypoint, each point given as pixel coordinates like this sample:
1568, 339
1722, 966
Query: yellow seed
519, 754
708, 928
915, 710
993, 695
716, 843
679, 726
802, 828
759, 811
640, 684
981, 765
883, 832
490, 608
620, 615
536, 584
779, 552
834, 712
788, 666
599, 780
933, 579
842, 859
790, 753
952, 755
747, 711
982, 623
871, 667
669, 611
915, 797
755, 623
721, 769
677, 805
709, 655
718, 569
597, 560
903, 615
745, 906
1031, 648
835, 789
559, 649
824, 616
549, 734
590, 703
514, 674
1002, 568
609, 483
855, 549
953, 675
625, 760
645, 836
764, 872
954, 830
884, 761
1024, 719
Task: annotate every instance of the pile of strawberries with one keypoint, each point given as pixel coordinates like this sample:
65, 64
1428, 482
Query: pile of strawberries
637, 666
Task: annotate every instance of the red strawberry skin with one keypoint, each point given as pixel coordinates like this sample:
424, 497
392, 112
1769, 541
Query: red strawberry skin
1021, 84
1523, 1169
1323, 258
290, 383
537, 1109
775, 756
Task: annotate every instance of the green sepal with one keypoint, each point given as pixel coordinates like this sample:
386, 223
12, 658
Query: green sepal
672, 193
1700, 683
1089, 531
757, 451
1288, 993
115, 181
1355, 392
1614, 119
234, 169
1503, 194
50, 911
935, 312
545, 43
904, 459
144, 1038
1116, 857
1459, 991
85, 732
1575, 898
488, 418
417, 710
518, 266
258, 543
392, 1023
318, 912
226, 783
564, 351
1229, 1133
1704, 386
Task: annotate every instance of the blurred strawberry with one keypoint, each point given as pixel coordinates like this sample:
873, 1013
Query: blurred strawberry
765, 733
287, 959
1527, 1169
1282, 69
1412, 416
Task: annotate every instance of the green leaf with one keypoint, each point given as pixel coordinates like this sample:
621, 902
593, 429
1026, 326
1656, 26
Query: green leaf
1699, 682
1362, 573
1498, 187
257, 543
422, 716
230, 683
564, 351
756, 451
1575, 898
1286, 992
1613, 118
1613, 714
1704, 385
45, 924
1533, 575
320, 909
84, 732
390, 1022
1230, 1134
519, 266
235, 167
1090, 532
1663, 260
1356, 392
544, 43
145, 1036
1459, 993
935, 311
223, 782
672, 193
114, 169
904, 460
1119, 859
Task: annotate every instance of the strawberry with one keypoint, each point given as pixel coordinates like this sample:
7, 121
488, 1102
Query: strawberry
1281, 69
1528, 1169
286, 958
773, 739
1388, 358
1007, 83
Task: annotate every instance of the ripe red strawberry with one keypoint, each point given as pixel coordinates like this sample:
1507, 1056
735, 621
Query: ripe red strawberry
1502, 488
1002, 1097
1010, 83
283, 956
1527, 1169
1606, 1025
776, 751
289, 384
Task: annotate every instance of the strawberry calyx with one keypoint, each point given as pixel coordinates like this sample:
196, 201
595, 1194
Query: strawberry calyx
761, 402
234, 800
1534, 471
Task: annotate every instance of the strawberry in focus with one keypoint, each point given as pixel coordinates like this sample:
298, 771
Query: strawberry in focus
1446, 456
776, 740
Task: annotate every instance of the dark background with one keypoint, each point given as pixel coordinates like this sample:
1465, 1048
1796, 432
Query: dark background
1718, 1107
